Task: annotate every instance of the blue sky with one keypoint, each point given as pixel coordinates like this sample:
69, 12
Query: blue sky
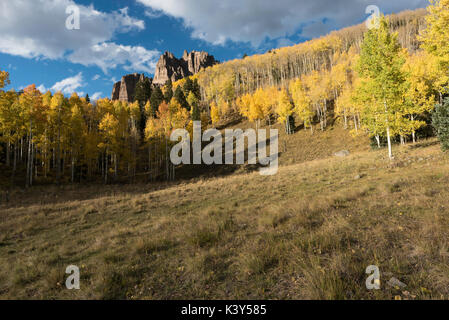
117, 37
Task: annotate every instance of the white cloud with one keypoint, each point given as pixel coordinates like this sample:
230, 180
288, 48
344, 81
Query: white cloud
153, 14
96, 96
217, 21
41, 88
69, 85
108, 55
66, 86
96, 77
37, 29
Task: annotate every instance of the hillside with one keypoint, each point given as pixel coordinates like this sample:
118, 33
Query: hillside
126, 139
308, 232
363, 143
278, 66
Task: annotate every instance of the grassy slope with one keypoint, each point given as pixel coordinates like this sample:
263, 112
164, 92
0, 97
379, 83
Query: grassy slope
308, 232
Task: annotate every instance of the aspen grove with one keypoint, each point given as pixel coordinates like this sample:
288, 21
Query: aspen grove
382, 82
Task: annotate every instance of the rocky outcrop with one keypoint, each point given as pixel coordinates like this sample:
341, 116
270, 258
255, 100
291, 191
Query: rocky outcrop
124, 89
169, 67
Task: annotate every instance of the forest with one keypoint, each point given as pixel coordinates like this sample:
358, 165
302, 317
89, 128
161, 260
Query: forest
388, 82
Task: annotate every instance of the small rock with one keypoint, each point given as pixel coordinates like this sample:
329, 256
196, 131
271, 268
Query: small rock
357, 177
393, 282
343, 153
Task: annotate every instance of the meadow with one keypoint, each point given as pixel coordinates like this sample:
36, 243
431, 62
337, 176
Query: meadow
308, 232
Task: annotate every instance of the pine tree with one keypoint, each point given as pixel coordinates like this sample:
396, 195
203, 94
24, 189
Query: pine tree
142, 92
196, 89
180, 97
156, 99
440, 121
142, 95
188, 86
193, 102
168, 91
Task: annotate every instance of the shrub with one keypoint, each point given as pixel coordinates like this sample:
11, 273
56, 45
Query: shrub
440, 121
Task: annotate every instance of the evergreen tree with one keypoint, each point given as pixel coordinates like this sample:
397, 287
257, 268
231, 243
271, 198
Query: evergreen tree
142, 92
168, 92
196, 89
440, 121
188, 86
194, 107
87, 98
156, 99
181, 98
142, 95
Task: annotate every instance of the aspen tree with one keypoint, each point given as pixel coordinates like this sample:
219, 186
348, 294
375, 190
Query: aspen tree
303, 104
380, 67
285, 111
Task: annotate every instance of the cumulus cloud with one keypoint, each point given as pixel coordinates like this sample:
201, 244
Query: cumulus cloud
37, 29
108, 55
41, 88
66, 86
69, 85
153, 14
217, 21
96, 96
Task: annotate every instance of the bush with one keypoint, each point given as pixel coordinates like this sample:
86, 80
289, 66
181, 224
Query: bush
440, 121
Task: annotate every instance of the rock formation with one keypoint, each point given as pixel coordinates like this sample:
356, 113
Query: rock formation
169, 67
124, 89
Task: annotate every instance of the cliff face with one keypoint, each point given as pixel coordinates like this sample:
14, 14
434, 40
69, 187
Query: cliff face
169, 67
124, 89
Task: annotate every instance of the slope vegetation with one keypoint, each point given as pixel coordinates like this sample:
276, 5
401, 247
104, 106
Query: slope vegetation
308, 232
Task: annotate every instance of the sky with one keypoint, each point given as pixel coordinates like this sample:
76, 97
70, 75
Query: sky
118, 37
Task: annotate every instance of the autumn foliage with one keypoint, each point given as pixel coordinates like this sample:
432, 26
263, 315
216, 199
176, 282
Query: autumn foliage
379, 82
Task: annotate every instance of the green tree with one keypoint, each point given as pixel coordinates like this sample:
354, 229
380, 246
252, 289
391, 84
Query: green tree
155, 101
168, 91
181, 98
188, 86
196, 89
440, 121
142, 94
382, 80
193, 102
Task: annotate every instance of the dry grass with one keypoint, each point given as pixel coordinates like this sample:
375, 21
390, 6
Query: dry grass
307, 233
